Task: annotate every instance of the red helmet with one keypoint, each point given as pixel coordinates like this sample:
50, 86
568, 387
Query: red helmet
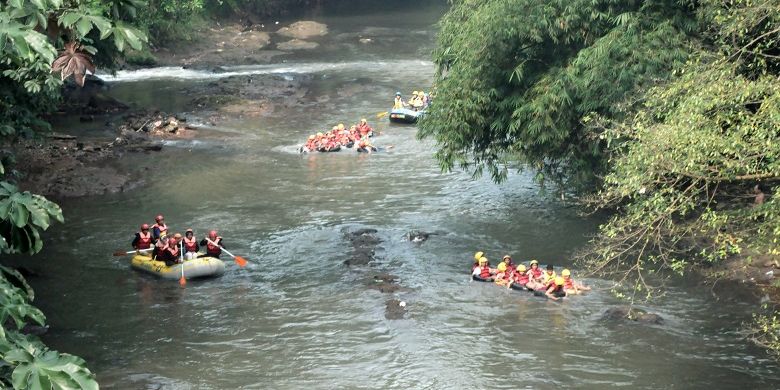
145, 226
213, 234
158, 217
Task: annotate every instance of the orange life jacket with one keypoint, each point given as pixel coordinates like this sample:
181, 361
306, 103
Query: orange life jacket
144, 241
212, 249
173, 251
522, 278
190, 245
163, 228
484, 272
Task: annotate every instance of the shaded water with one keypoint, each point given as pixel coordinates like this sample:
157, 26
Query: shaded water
296, 316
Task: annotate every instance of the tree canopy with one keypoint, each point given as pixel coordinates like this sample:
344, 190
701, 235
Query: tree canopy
516, 77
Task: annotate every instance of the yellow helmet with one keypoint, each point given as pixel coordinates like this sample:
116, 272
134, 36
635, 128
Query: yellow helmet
501, 267
415, 93
559, 281
483, 260
363, 120
341, 126
521, 268
334, 128
319, 134
565, 272
534, 262
478, 255
312, 136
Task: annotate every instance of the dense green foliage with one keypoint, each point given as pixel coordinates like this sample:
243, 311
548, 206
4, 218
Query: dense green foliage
673, 105
31, 76
31, 32
516, 77
28, 363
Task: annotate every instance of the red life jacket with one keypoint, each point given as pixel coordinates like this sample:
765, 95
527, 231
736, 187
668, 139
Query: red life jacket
212, 249
144, 242
537, 272
190, 245
173, 251
163, 228
568, 283
522, 278
484, 272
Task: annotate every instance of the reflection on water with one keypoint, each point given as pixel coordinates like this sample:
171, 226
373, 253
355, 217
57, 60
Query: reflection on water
297, 317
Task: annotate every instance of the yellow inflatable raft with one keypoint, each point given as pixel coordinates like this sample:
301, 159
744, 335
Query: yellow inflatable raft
201, 267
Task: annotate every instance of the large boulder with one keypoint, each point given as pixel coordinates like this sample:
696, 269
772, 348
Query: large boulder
629, 314
297, 44
304, 29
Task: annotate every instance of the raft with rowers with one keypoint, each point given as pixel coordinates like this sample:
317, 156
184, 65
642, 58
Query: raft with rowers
532, 278
339, 136
173, 256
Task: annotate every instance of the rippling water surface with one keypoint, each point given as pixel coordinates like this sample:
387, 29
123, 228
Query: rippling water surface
297, 317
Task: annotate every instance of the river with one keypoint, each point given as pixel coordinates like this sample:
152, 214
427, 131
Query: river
297, 317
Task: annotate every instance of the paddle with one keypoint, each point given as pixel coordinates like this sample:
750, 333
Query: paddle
381, 114
182, 281
120, 252
239, 260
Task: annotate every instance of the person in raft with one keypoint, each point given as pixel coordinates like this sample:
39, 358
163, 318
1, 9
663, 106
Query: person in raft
534, 276
398, 103
502, 274
159, 228
143, 239
172, 254
364, 129
508, 260
158, 253
484, 271
555, 290
213, 244
477, 256
548, 275
191, 246
570, 286
520, 277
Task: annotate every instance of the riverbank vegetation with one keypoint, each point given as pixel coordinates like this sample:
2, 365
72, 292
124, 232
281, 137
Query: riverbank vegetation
42, 43
664, 113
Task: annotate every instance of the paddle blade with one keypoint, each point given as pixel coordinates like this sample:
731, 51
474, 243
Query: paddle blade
120, 253
381, 114
240, 261
182, 281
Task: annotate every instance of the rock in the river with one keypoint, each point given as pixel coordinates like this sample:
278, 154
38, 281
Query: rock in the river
303, 30
417, 236
395, 309
626, 313
297, 44
364, 244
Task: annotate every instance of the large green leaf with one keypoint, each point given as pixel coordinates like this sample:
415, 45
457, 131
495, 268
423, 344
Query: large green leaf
40, 217
67, 19
49, 369
19, 215
84, 26
41, 45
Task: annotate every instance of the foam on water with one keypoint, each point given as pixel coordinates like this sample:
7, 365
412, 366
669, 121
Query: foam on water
175, 72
